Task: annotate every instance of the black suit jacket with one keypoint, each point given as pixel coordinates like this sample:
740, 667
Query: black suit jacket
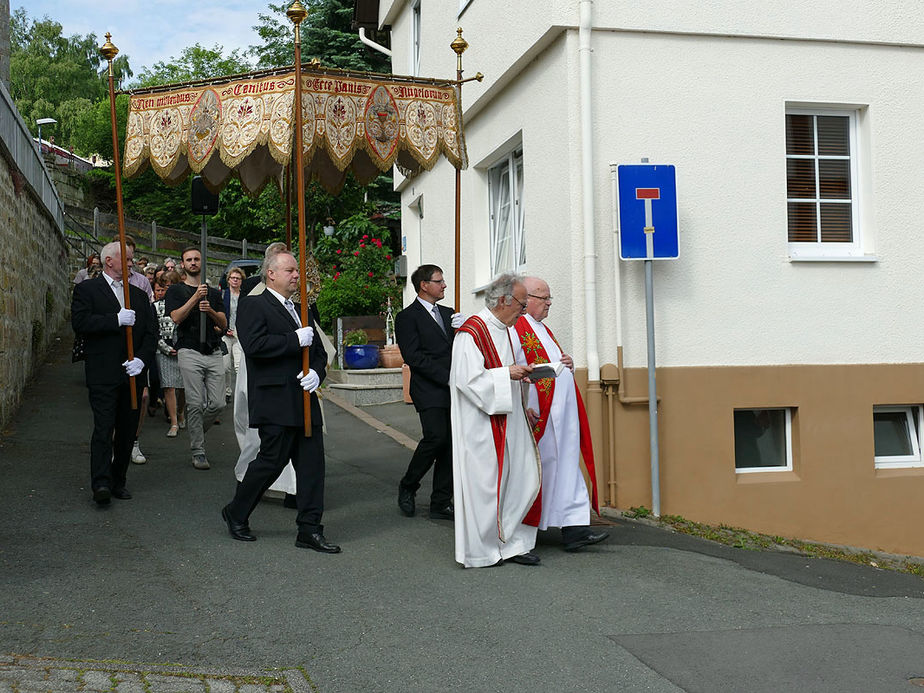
274, 358
427, 350
94, 314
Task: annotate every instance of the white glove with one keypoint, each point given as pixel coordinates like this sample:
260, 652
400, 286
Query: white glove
136, 365
305, 336
457, 320
126, 317
311, 381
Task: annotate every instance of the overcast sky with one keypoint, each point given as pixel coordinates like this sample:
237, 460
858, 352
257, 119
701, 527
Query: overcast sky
156, 30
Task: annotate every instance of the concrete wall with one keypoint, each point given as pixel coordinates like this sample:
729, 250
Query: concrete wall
35, 277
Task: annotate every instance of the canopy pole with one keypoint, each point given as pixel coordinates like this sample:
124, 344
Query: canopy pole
296, 13
288, 198
109, 51
458, 45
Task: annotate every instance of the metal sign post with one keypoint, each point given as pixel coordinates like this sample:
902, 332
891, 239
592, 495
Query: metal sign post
637, 241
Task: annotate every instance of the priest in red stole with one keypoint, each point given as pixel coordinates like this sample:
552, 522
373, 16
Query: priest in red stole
560, 427
495, 462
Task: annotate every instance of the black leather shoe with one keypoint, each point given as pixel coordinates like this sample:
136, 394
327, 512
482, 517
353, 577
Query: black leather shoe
588, 539
447, 512
525, 559
406, 501
102, 495
121, 493
317, 542
238, 530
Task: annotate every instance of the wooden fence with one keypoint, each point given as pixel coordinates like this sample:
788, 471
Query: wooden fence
154, 240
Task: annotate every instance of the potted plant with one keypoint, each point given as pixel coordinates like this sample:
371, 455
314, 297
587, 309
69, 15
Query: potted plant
357, 352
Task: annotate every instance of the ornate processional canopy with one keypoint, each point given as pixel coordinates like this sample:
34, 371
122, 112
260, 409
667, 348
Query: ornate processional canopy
244, 125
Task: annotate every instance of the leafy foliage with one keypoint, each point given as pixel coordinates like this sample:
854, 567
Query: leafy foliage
326, 35
193, 63
54, 76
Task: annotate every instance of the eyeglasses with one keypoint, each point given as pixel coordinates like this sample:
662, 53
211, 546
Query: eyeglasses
523, 304
441, 282
547, 299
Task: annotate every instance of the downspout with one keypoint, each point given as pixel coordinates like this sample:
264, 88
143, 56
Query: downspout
594, 392
372, 44
587, 191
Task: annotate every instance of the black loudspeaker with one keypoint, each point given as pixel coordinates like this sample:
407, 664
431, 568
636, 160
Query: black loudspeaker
203, 200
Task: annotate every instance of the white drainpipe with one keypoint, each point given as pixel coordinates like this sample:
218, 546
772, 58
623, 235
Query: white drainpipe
372, 44
587, 190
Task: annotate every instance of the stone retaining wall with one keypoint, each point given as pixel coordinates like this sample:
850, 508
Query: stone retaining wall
34, 285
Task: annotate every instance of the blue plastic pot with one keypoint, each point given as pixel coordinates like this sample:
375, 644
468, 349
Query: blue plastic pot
361, 356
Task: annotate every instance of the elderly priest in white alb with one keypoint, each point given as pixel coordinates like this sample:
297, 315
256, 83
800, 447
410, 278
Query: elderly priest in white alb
560, 426
495, 463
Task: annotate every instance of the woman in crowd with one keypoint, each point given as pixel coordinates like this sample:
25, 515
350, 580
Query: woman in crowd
91, 270
234, 355
171, 380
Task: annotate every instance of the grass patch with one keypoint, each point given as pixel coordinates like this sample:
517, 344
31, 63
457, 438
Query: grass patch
754, 541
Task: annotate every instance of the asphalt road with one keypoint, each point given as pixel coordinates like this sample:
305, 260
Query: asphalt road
157, 580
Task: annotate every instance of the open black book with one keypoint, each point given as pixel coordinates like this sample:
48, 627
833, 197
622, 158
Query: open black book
546, 370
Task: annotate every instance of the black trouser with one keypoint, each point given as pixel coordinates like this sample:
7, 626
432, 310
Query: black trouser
433, 450
114, 427
279, 444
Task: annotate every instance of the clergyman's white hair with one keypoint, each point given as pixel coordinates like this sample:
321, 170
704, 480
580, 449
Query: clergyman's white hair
501, 287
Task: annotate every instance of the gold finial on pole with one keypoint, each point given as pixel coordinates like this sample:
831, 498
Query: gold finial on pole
296, 13
459, 45
109, 51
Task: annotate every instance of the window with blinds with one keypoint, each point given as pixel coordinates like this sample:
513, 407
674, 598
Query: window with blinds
821, 181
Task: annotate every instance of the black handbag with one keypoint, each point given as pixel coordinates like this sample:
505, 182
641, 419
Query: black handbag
77, 351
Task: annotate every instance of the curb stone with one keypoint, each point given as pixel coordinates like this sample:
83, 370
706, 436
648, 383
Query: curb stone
27, 674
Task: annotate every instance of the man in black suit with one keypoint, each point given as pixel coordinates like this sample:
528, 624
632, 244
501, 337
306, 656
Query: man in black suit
424, 331
272, 339
98, 313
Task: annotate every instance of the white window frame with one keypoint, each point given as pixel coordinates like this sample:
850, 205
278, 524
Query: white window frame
817, 249
517, 231
414, 54
914, 420
788, 442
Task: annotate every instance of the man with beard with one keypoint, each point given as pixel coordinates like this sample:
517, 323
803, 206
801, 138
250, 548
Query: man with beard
201, 362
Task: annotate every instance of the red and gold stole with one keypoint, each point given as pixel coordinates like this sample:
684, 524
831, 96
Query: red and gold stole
477, 328
535, 353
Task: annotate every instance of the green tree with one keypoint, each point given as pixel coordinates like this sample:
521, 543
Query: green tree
326, 35
54, 76
194, 63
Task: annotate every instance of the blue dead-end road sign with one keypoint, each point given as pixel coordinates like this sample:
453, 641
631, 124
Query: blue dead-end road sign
648, 228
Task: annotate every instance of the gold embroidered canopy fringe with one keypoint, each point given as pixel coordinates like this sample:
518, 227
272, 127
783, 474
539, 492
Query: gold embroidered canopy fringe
243, 125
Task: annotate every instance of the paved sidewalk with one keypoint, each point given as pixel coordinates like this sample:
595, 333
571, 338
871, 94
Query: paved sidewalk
153, 593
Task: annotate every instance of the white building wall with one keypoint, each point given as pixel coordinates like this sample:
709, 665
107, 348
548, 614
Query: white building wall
713, 104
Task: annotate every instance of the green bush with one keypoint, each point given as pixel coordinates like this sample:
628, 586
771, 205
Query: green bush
357, 275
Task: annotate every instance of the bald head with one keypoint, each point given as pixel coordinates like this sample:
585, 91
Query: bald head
538, 298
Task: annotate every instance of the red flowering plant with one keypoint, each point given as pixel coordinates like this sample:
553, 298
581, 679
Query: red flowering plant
357, 271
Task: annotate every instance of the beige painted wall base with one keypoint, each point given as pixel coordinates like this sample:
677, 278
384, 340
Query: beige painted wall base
833, 494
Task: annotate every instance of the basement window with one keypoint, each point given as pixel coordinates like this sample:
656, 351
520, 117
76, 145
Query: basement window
763, 440
897, 436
